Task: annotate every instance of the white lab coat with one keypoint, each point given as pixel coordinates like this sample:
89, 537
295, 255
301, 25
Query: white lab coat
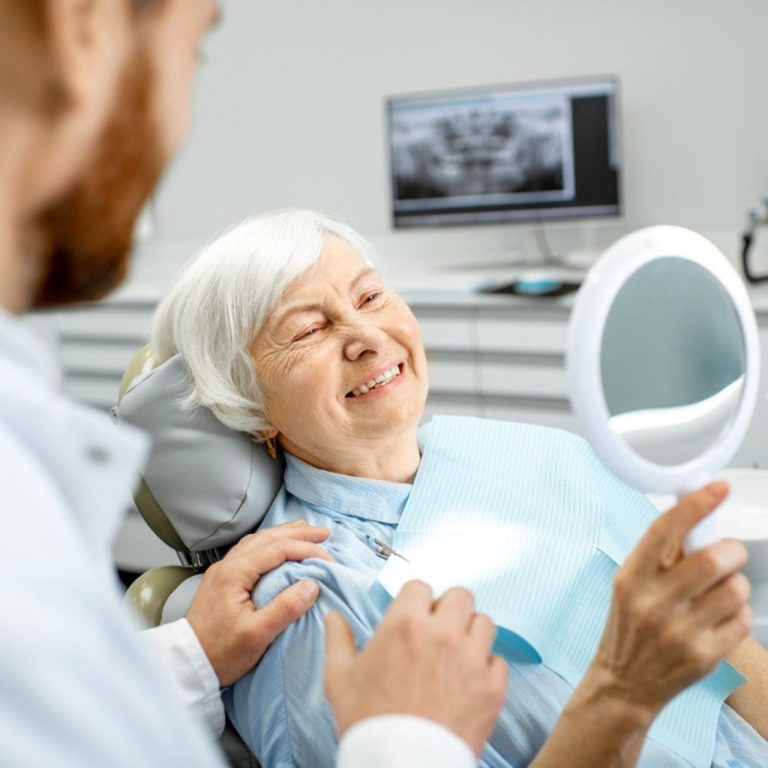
77, 687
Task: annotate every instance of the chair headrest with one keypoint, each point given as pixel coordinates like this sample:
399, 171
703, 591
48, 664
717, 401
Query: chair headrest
213, 484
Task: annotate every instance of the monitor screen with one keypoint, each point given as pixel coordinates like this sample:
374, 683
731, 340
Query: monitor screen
506, 153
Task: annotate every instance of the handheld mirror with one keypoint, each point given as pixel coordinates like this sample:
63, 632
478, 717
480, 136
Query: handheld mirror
663, 362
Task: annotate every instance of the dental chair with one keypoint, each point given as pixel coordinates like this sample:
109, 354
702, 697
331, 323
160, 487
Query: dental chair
205, 486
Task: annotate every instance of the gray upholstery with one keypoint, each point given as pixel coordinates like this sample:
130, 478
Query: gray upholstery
205, 486
178, 601
214, 484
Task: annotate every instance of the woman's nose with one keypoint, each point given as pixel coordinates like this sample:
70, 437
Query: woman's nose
363, 338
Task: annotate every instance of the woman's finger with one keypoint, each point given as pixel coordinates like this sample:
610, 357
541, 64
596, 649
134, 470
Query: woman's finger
670, 529
721, 603
731, 632
694, 575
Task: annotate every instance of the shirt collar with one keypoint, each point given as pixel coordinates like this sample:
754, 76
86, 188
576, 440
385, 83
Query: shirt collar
358, 497
23, 344
91, 461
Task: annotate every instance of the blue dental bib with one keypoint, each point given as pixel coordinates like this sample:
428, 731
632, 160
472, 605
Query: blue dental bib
536, 527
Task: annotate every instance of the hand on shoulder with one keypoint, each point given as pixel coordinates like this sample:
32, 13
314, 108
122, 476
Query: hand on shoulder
233, 633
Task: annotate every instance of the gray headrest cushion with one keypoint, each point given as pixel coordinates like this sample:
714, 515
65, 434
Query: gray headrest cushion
214, 484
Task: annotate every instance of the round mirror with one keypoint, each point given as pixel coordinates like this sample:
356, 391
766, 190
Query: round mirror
672, 361
663, 361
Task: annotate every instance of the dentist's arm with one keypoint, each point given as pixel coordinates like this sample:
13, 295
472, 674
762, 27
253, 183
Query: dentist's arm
425, 689
672, 619
223, 635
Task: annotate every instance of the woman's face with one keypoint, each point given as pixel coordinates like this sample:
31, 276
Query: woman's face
340, 361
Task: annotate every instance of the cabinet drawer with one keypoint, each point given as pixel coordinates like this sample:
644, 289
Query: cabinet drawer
533, 381
100, 392
505, 335
103, 323
96, 357
453, 376
446, 333
439, 404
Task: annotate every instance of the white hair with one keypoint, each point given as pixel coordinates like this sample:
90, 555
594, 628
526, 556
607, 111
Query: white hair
214, 311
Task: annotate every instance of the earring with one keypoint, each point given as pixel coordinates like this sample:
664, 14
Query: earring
271, 446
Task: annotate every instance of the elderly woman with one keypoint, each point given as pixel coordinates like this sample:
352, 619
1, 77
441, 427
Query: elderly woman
290, 334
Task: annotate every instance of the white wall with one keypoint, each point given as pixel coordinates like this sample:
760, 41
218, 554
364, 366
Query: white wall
289, 106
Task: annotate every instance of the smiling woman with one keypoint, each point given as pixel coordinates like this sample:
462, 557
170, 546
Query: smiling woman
288, 332
262, 298
342, 369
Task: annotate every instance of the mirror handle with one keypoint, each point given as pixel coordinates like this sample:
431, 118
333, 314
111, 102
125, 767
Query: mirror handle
706, 533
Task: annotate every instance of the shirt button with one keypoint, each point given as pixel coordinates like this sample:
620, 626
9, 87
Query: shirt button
97, 454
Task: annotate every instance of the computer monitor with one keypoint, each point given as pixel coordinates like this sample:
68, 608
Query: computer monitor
514, 153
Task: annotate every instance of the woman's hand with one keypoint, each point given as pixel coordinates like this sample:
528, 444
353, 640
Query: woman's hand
672, 617
425, 659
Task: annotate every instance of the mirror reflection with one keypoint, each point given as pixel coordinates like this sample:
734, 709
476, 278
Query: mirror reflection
672, 361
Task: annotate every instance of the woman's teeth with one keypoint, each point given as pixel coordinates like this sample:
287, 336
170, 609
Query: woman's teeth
381, 380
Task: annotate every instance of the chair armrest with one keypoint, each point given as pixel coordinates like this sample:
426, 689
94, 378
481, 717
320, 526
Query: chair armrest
149, 591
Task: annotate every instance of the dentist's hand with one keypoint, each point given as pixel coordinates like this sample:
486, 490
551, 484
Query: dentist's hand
673, 617
425, 659
232, 632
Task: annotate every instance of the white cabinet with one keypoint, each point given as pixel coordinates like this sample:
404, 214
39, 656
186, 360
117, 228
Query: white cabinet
95, 344
522, 328
497, 357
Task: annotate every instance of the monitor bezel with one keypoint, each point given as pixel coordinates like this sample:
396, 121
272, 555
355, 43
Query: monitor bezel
506, 217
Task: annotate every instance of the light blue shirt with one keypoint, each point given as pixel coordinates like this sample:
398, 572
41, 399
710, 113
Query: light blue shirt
280, 708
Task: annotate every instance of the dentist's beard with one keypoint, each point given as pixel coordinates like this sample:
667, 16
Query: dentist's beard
82, 243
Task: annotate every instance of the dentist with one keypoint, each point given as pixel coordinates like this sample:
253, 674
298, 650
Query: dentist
94, 102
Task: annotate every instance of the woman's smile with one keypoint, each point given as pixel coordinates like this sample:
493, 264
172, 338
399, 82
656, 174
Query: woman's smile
378, 381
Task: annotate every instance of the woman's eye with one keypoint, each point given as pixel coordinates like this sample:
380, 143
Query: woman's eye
369, 297
307, 333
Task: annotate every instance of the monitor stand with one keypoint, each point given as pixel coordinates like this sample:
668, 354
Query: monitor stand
551, 276
548, 274
536, 283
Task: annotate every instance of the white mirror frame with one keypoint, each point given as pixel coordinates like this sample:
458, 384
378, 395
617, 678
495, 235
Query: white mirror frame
583, 357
